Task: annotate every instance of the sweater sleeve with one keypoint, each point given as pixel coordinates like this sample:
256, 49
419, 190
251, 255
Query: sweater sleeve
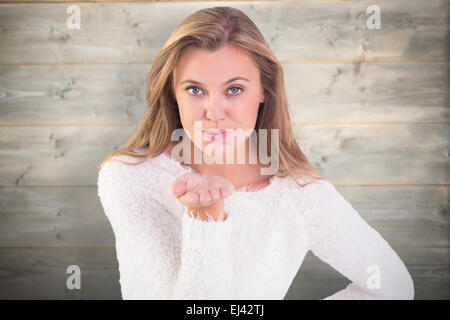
206, 270
342, 239
200, 269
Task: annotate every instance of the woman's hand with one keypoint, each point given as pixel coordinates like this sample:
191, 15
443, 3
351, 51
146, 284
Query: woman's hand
202, 193
196, 191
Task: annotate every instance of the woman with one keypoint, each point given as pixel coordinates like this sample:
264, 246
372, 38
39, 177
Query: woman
188, 229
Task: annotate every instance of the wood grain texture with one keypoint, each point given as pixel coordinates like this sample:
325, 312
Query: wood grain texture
377, 154
41, 274
73, 217
135, 32
317, 280
317, 93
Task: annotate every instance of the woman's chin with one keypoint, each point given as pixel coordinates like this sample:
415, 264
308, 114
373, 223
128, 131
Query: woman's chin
214, 154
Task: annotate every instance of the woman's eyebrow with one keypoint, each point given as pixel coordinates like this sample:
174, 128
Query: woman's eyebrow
231, 80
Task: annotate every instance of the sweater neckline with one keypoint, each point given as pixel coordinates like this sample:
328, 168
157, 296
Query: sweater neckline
242, 190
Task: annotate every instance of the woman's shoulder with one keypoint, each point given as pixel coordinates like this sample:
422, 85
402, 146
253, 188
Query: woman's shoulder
318, 195
152, 178
304, 183
124, 168
309, 191
124, 164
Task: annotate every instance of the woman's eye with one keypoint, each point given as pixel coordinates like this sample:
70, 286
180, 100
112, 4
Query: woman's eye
195, 89
236, 92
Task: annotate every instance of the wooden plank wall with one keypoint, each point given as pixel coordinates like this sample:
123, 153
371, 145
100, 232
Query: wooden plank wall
370, 109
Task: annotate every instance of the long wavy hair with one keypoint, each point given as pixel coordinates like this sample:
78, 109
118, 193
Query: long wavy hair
211, 29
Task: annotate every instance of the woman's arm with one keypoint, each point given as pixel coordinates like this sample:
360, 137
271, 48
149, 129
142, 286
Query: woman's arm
215, 211
341, 238
198, 267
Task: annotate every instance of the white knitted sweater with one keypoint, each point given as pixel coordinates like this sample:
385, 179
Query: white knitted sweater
164, 253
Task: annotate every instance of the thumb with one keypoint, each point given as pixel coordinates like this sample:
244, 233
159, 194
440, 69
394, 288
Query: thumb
179, 188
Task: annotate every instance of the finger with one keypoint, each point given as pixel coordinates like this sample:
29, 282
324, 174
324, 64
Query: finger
179, 188
215, 194
183, 183
225, 191
190, 198
205, 196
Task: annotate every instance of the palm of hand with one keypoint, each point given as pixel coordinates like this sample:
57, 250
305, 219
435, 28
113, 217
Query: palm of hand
195, 190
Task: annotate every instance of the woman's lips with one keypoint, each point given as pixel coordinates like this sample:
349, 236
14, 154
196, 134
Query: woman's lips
212, 133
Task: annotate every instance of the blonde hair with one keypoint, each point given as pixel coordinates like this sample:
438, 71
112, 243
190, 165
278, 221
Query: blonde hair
211, 29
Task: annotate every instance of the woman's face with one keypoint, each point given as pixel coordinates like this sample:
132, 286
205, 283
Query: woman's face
220, 90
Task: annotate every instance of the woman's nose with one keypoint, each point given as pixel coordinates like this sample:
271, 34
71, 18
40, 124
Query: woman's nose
215, 111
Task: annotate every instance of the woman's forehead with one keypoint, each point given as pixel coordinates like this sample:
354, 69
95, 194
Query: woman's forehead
224, 62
